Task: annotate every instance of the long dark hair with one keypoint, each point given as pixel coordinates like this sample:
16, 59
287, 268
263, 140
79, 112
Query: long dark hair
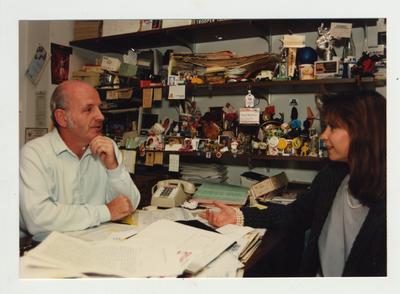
363, 115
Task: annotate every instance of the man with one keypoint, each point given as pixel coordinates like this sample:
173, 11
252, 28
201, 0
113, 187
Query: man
72, 178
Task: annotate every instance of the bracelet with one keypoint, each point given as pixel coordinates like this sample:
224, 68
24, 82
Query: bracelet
239, 217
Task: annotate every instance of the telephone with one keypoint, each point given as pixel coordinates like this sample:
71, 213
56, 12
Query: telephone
171, 193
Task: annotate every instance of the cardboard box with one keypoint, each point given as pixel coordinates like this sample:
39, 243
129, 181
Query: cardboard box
110, 63
127, 70
169, 23
326, 69
87, 29
92, 78
116, 27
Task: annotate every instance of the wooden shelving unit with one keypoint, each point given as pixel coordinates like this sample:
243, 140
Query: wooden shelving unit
252, 160
209, 32
280, 87
230, 30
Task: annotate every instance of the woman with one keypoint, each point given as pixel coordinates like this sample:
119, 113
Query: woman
345, 208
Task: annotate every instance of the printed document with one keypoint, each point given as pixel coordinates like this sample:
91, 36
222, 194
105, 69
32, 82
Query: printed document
200, 246
123, 259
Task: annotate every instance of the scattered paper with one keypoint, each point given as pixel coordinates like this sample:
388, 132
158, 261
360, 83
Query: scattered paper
177, 92
133, 259
173, 163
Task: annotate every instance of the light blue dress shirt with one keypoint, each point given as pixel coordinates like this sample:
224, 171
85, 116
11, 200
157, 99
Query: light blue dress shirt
60, 192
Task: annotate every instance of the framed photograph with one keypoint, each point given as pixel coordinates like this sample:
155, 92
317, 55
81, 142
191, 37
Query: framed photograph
224, 140
202, 145
33, 133
174, 140
173, 143
156, 24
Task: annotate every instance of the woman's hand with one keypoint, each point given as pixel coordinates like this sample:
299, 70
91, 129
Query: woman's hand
226, 215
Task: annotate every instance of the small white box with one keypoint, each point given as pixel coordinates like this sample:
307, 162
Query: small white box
169, 23
294, 41
117, 27
249, 116
110, 63
341, 30
325, 69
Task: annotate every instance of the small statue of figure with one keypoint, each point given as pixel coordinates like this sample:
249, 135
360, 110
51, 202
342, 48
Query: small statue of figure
249, 100
304, 149
234, 147
325, 42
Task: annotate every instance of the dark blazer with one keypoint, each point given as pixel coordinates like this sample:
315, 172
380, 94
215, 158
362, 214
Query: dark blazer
368, 254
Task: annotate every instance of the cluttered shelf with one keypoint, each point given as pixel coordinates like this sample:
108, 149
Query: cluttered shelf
289, 86
259, 88
247, 159
207, 32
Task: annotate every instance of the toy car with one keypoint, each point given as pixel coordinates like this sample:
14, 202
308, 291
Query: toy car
265, 75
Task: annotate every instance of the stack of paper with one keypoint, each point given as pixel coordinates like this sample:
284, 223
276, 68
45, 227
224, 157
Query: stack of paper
60, 254
107, 231
230, 263
247, 241
216, 66
228, 194
200, 173
163, 249
196, 247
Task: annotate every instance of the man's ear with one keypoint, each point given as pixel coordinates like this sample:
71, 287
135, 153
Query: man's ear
60, 116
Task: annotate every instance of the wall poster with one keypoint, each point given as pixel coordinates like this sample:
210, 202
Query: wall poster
59, 63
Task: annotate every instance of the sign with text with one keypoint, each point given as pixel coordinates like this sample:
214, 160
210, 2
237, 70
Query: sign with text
249, 116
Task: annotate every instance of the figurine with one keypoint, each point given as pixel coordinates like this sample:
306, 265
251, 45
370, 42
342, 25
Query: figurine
210, 129
325, 42
234, 147
249, 100
365, 66
187, 145
295, 123
155, 141
304, 149
306, 72
230, 116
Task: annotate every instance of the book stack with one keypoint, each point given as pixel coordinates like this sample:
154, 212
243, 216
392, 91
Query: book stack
201, 173
216, 67
249, 244
228, 194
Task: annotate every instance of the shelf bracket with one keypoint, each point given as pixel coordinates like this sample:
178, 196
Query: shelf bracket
267, 36
182, 41
250, 162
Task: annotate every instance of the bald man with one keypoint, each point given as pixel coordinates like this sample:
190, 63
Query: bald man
72, 178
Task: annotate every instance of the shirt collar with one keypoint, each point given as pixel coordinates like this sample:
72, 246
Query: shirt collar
59, 145
57, 142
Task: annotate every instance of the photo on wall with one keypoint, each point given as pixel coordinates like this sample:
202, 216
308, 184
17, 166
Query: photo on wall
59, 63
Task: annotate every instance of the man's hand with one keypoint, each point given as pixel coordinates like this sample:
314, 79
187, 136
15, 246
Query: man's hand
104, 148
226, 215
119, 207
